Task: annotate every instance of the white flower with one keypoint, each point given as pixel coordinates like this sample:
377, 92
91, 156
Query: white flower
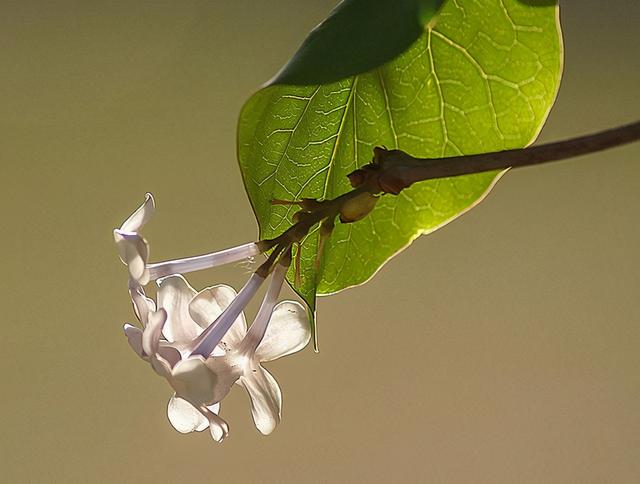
287, 333
173, 334
134, 250
199, 341
189, 409
278, 330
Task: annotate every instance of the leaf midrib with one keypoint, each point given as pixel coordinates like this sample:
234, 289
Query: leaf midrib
332, 159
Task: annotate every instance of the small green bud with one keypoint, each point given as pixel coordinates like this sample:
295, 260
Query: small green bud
357, 208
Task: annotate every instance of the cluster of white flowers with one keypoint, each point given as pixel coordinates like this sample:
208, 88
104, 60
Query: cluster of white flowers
198, 341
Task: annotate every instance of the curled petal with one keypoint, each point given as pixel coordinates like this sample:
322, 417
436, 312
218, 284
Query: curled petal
134, 252
266, 398
142, 305
288, 332
194, 381
217, 426
174, 295
161, 359
141, 216
134, 336
185, 417
152, 332
209, 303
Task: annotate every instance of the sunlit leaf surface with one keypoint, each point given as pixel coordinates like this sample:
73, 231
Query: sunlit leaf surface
481, 78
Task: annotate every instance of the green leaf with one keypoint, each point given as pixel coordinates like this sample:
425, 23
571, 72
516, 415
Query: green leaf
483, 78
357, 36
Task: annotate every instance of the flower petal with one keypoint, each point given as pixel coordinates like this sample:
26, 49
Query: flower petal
288, 332
209, 303
217, 426
134, 252
170, 354
185, 417
226, 370
215, 408
266, 399
142, 305
174, 295
134, 336
152, 332
194, 381
141, 216
160, 366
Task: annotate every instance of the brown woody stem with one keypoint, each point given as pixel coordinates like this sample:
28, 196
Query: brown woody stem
391, 171
401, 170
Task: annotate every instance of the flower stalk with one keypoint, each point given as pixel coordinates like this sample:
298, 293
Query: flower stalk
391, 171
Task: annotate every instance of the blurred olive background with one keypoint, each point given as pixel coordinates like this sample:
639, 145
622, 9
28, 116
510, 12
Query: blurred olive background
500, 349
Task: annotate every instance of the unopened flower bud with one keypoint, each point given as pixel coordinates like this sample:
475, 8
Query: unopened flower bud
357, 208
